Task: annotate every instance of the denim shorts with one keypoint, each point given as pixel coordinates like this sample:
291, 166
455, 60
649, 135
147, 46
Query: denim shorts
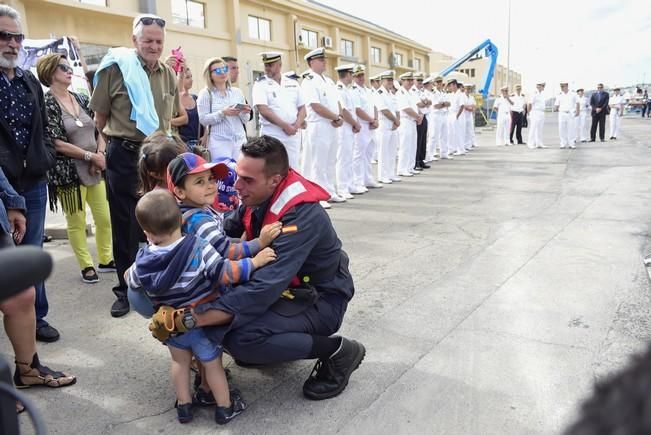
196, 341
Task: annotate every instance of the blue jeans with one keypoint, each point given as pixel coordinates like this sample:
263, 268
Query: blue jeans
36, 201
140, 303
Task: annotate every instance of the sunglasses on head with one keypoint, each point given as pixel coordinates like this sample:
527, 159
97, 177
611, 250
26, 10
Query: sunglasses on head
148, 21
65, 68
221, 70
6, 36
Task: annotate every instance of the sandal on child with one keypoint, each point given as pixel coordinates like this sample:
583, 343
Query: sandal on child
31, 375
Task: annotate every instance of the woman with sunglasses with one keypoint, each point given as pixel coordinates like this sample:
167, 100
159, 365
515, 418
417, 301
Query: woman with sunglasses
223, 110
76, 179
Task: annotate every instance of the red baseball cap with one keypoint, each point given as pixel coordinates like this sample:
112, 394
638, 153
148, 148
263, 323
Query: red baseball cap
190, 163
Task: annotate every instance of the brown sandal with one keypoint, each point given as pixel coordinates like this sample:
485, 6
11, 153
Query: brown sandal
31, 375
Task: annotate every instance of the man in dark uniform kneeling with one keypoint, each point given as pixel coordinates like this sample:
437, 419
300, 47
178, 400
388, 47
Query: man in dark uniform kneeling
291, 307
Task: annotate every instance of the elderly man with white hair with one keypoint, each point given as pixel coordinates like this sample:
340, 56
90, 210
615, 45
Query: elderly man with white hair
135, 95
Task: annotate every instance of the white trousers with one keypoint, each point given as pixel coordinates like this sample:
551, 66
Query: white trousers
566, 128
292, 145
431, 136
224, 148
441, 133
615, 121
345, 159
536, 125
386, 165
362, 155
582, 126
321, 154
407, 148
503, 129
470, 129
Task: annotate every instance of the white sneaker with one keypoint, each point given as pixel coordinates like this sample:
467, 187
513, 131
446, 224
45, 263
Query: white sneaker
358, 190
405, 174
345, 195
336, 198
325, 204
396, 179
384, 181
373, 185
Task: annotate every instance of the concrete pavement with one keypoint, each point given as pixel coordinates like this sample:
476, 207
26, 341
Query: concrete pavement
490, 292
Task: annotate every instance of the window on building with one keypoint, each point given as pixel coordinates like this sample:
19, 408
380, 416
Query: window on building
397, 58
310, 38
347, 47
94, 2
376, 55
417, 64
472, 72
188, 12
259, 28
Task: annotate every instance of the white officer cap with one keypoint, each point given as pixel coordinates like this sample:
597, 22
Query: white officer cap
315, 54
504, 88
419, 76
540, 83
359, 70
429, 79
346, 67
389, 74
270, 56
407, 76
292, 75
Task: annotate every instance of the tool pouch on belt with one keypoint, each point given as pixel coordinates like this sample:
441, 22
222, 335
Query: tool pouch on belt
295, 300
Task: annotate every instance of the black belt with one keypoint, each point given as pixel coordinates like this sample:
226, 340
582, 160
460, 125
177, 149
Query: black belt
129, 145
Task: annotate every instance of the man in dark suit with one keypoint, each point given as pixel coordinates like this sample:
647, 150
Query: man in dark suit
599, 104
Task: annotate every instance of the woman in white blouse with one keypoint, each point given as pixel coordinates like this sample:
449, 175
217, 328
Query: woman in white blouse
223, 110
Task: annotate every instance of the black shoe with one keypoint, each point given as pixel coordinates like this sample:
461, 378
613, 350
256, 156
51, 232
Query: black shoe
105, 268
89, 276
46, 238
592, 140
329, 377
203, 398
521, 143
424, 166
120, 307
223, 414
184, 412
47, 333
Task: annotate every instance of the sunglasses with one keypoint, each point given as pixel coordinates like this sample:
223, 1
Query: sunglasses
148, 21
220, 70
65, 68
7, 36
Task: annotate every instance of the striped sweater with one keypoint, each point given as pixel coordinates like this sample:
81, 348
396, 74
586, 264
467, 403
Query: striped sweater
186, 272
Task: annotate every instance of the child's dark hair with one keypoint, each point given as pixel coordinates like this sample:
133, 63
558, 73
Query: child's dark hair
158, 213
156, 152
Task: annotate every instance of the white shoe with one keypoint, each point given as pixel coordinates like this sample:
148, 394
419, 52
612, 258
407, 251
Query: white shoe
448, 157
458, 153
434, 159
345, 195
358, 190
405, 174
572, 146
396, 179
415, 172
336, 198
384, 181
542, 146
374, 162
373, 185
325, 204
562, 147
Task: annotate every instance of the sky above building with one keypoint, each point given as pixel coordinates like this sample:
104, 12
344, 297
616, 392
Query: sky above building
582, 42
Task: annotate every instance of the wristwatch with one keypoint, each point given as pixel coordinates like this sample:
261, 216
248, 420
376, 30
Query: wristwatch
87, 156
188, 320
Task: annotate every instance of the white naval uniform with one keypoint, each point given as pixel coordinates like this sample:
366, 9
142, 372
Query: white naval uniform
363, 148
536, 120
406, 132
376, 133
431, 145
456, 126
346, 139
441, 124
566, 106
320, 153
285, 100
503, 121
616, 111
582, 125
470, 122
388, 138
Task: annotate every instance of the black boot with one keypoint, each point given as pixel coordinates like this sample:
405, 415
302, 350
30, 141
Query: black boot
330, 376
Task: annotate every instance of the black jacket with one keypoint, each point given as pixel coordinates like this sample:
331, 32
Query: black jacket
601, 103
24, 170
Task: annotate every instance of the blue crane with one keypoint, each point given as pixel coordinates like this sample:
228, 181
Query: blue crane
490, 51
